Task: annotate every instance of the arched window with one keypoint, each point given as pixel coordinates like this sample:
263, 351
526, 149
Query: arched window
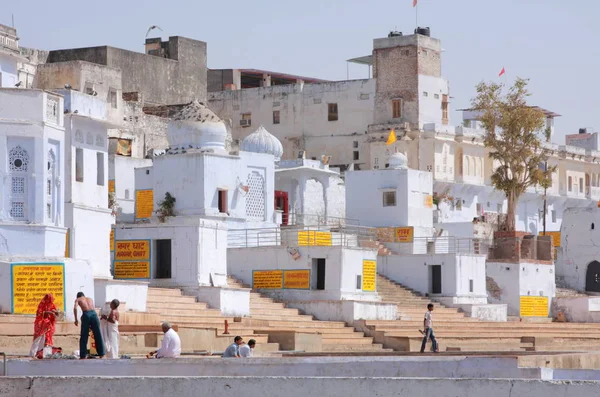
570, 183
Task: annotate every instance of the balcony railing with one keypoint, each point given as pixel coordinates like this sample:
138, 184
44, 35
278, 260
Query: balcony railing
450, 245
302, 236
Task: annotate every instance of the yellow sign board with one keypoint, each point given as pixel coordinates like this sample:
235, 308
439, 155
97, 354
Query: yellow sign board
132, 250
112, 240
137, 269
296, 279
405, 234
534, 306
555, 238
267, 279
144, 204
369, 275
67, 243
428, 201
31, 281
111, 185
321, 239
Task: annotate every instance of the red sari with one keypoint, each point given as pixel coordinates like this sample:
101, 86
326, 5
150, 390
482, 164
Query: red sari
45, 323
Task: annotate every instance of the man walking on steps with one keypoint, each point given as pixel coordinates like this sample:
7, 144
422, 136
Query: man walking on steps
428, 330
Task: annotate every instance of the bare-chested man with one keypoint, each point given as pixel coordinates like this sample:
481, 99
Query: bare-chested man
89, 319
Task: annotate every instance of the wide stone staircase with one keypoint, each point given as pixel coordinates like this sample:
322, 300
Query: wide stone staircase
269, 316
455, 332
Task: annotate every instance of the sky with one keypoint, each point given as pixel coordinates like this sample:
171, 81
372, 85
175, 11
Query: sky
551, 42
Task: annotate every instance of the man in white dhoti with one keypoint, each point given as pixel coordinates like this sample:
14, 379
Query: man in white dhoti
109, 326
170, 346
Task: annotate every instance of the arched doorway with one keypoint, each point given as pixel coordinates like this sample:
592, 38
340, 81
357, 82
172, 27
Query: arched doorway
592, 277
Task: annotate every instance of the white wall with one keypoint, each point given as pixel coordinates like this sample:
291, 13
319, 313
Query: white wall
231, 301
90, 236
521, 279
198, 249
8, 68
414, 271
123, 171
133, 293
304, 113
578, 245
430, 107
364, 197
584, 309
342, 266
347, 311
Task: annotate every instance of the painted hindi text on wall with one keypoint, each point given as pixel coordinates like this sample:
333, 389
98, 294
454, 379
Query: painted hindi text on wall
31, 281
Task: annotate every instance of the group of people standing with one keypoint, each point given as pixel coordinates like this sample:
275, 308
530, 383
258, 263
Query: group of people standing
105, 329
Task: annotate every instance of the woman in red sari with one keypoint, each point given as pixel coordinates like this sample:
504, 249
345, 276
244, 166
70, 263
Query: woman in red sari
45, 324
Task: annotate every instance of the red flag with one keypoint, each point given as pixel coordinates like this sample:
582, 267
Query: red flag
415, 3
502, 72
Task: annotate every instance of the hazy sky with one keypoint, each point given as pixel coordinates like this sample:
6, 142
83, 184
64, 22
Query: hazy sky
552, 42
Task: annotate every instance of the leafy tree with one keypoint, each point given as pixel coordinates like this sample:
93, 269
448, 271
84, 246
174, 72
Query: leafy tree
513, 136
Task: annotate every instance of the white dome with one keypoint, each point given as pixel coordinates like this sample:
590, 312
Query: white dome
196, 126
261, 141
398, 161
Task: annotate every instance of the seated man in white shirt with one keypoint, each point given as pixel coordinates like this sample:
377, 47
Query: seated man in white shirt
248, 350
171, 344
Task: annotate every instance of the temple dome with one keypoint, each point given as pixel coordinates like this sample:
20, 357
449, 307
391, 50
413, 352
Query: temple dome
196, 126
398, 161
261, 141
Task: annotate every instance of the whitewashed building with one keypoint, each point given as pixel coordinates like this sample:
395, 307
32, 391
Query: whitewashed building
32, 217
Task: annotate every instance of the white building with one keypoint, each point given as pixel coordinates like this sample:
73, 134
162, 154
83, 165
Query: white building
398, 202
351, 121
32, 214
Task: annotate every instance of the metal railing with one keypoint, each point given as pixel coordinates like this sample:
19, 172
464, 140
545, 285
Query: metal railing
450, 245
295, 236
294, 218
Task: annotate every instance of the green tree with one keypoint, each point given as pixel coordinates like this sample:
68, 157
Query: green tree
513, 135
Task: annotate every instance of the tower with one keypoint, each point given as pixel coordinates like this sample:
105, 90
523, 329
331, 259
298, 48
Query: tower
409, 83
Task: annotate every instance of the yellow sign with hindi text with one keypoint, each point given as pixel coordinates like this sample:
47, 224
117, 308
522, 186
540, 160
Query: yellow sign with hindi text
309, 237
404, 234
144, 204
296, 279
132, 250
31, 281
112, 240
267, 279
534, 306
369, 275
132, 269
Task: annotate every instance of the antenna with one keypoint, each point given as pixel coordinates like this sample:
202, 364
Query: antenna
13, 21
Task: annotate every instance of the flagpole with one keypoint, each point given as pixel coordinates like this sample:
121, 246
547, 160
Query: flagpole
416, 15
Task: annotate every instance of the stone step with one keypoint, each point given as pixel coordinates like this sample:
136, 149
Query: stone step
153, 291
283, 323
176, 319
266, 305
296, 317
341, 347
254, 312
187, 312
175, 305
170, 299
365, 340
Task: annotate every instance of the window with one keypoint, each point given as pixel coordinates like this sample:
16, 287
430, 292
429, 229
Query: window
470, 285
358, 281
553, 213
356, 155
276, 117
79, 165
389, 199
222, 201
113, 98
499, 208
580, 185
255, 198
332, 114
355, 144
397, 108
445, 109
436, 96
52, 109
246, 120
458, 205
364, 97
425, 94
406, 53
100, 169
570, 183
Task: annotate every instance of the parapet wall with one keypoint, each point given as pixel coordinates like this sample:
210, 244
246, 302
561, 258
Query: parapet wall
290, 387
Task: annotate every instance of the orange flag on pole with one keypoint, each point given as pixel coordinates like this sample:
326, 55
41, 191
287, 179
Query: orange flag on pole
392, 138
502, 72
415, 3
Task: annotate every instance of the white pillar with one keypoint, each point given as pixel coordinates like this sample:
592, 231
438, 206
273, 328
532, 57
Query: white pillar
325, 182
301, 192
